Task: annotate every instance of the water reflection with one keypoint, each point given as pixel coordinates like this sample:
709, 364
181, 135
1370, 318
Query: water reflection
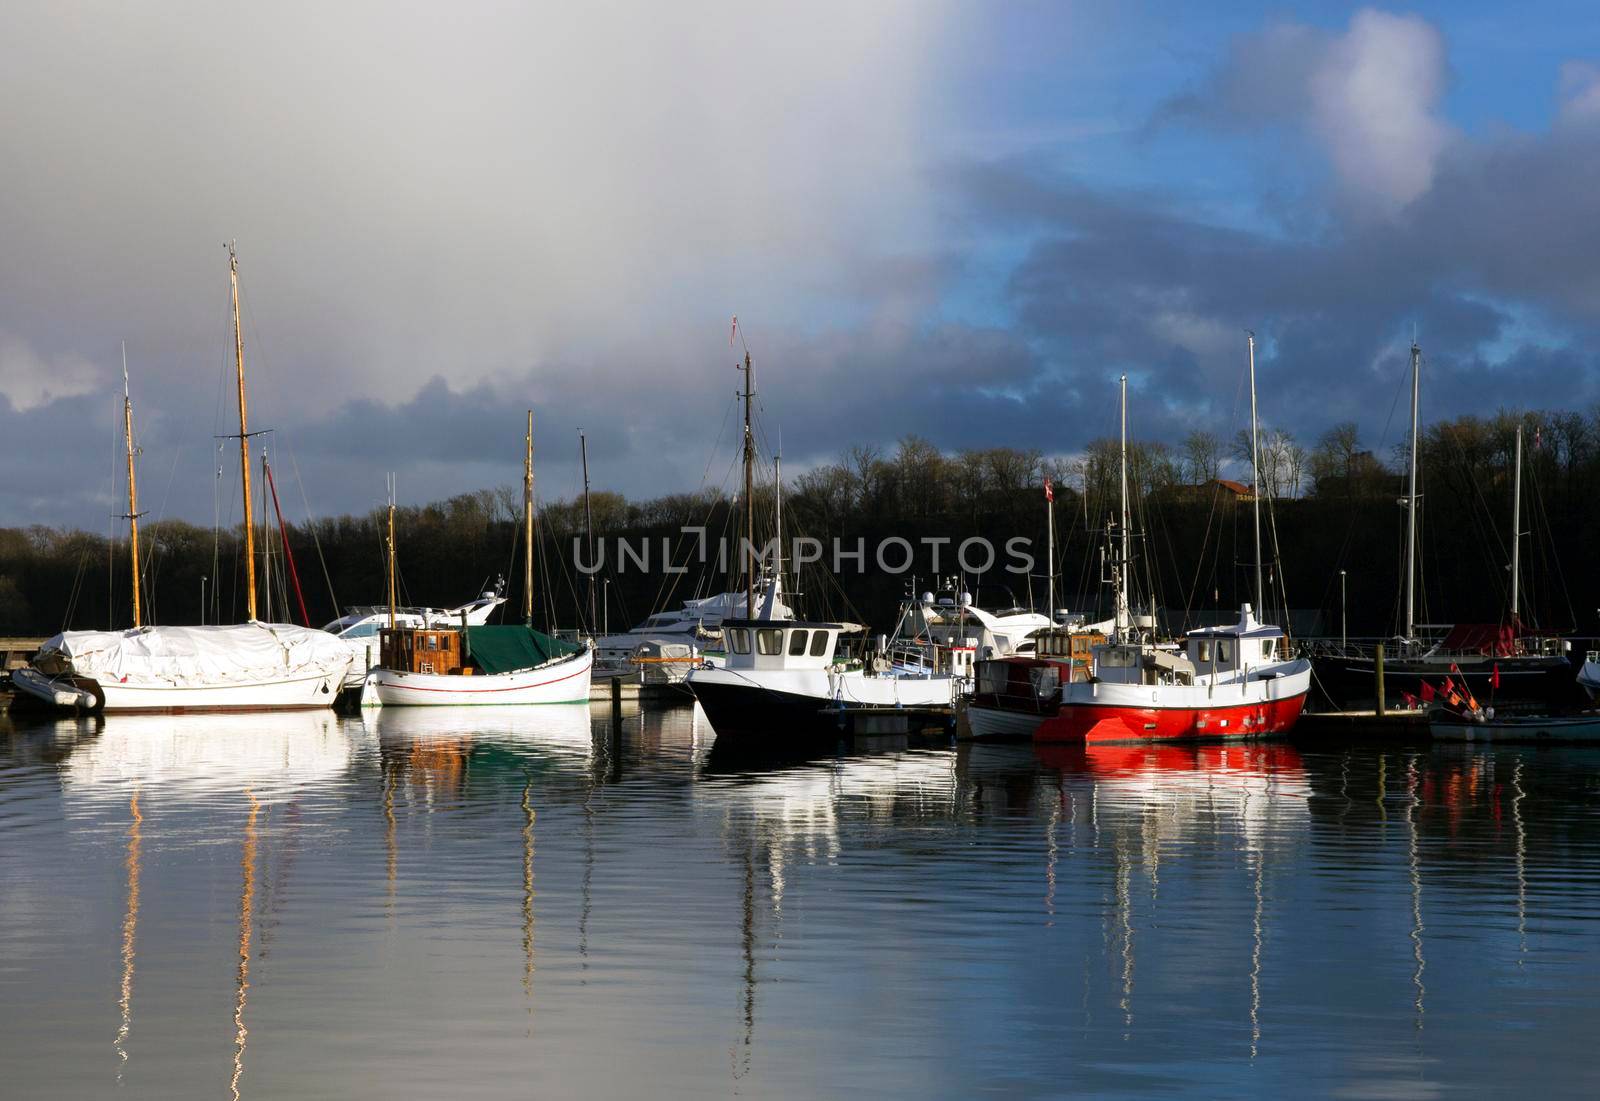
389, 901
130, 929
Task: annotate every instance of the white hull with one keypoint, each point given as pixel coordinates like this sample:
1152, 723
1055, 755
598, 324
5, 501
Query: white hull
301, 693
989, 722
852, 689
564, 681
1293, 681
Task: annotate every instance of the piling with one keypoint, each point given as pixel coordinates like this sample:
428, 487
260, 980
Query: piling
1378, 663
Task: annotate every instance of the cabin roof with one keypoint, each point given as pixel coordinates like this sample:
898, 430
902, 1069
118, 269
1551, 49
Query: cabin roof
784, 623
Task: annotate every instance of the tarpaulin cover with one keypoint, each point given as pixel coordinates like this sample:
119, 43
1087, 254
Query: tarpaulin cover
506, 649
244, 653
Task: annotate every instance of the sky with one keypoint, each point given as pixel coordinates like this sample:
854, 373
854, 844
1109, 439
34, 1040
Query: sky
962, 221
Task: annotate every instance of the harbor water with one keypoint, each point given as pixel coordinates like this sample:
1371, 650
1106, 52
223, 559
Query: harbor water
485, 903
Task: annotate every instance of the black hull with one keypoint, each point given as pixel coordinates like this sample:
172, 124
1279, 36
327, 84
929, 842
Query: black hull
1350, 683
764, 719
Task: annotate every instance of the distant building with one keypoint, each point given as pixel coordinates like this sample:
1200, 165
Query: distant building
1237, 491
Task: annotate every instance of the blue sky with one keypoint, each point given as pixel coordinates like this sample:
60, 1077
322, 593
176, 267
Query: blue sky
960, 221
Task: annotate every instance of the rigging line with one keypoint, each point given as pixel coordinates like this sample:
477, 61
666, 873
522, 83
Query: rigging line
316, 540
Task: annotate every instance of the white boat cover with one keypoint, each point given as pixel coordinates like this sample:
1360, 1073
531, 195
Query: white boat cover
195, 656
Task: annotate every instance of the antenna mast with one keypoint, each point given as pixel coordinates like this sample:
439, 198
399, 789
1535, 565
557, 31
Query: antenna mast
527, 526
391, 553
133, 487
588, 523
749, 550
1255, 475
244, 440
1124, 612
1411, 497
1516, 533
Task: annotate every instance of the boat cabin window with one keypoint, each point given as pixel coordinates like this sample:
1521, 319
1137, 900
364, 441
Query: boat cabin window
797, 643
1225, 651
1117, 657
819, 643
769, 641
1267, 646
1202, 651
739, 641
433, 642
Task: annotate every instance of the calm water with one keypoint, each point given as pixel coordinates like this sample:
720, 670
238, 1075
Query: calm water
425, 904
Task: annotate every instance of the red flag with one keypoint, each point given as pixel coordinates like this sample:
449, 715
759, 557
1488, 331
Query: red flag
1494, 677
1454, 668
1411, 701
733, 329
1049, 491
1427, 691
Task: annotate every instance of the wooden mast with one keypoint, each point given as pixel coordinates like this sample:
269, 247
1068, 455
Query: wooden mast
749, 550
244, 439
1516, 534
527, 524
133, 488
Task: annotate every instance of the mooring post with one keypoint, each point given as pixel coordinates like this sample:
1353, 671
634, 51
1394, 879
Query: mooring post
1378, 656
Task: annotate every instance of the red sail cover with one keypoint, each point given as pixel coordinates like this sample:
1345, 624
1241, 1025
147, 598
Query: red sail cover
1492, 639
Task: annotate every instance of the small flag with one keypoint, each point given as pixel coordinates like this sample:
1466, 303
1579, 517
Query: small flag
1427, 692
1049, 491
733, 329
1494, 677
1411, 701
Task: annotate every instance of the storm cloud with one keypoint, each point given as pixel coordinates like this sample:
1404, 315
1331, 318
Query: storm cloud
446, 217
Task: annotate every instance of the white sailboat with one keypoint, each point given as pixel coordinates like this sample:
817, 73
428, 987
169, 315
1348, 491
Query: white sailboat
249, 666
432, 666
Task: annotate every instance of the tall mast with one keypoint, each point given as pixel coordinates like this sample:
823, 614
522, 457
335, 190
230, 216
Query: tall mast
749, 551
527, 526
1124, 613
777, 474
1516, 533
1411, 497
1255, 476
266, 540
133, 487
588, 523
244, 440
1050, 552
391, 554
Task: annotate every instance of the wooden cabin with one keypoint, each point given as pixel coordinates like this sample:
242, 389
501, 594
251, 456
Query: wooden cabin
424, 650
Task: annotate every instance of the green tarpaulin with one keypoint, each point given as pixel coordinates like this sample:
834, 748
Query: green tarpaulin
507, 649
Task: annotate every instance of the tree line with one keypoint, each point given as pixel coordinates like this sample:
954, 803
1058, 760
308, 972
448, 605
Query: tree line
1333, 507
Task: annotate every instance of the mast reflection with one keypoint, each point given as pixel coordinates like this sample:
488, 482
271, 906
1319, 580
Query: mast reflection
130, 925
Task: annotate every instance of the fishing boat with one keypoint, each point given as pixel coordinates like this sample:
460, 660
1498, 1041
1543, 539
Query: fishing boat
782, 681
431, 666
1235, 681
1531, 669
250, 666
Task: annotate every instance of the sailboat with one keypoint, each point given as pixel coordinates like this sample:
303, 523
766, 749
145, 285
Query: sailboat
431, 665
250, 666
1493, 661
1227, 682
